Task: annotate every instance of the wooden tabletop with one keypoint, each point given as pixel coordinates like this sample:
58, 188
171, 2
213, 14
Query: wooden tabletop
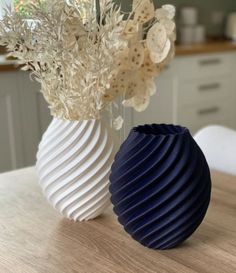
9, 67
35, 239
207, 47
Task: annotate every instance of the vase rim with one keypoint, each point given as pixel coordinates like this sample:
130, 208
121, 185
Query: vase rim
160, 130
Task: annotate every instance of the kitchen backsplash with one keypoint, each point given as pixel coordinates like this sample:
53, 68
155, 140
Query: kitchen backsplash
212, 12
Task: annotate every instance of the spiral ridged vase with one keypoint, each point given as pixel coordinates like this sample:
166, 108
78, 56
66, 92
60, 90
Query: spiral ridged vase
73, 164
160, 185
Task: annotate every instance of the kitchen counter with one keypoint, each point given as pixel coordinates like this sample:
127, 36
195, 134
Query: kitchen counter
7, 65
208, 47
35, 238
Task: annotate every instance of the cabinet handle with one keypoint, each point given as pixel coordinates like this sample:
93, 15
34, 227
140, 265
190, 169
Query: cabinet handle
210, 62
209, 87
208, 111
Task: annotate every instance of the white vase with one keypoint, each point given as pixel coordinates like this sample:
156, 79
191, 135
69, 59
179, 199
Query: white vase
73, 164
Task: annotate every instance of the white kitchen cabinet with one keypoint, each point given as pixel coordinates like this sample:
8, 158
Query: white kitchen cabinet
206, 91
28, 117
11, 138
195, 91
44, 116
23, 118
161, 108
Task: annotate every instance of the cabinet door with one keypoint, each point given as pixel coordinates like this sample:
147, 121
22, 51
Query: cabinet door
44, 115
162, 105
11, 144
28, 91
35, 116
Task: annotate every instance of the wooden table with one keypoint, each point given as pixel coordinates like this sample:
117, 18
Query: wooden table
35, 239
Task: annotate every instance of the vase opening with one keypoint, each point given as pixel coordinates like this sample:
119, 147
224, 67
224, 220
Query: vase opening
160, 130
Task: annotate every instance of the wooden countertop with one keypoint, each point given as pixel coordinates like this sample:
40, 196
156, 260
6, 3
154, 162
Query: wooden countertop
35, 239
8, 67
208, 47
4, 66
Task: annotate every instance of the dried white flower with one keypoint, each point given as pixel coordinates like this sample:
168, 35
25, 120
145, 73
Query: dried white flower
157, 38
171, 11
144, 11
85, 61
118, 123
159, 56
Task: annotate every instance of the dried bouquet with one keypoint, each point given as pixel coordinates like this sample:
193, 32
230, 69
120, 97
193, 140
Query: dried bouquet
85, 60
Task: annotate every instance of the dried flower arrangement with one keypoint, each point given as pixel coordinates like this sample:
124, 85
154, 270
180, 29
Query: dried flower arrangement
84, 61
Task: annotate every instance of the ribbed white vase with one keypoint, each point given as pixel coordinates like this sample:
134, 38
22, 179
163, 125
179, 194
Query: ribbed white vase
73, 164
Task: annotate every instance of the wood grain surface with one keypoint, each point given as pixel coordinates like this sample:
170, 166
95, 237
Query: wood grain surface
3, 50
35, 239
204, 48
9, 67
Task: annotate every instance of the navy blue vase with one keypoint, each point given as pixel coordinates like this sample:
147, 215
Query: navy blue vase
160, 185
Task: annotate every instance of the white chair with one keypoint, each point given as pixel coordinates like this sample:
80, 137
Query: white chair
219, 146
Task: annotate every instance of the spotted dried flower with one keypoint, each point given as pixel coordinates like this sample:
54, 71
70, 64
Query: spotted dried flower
144, 11
157, 38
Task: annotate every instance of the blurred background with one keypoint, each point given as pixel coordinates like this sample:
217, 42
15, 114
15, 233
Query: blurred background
196, 90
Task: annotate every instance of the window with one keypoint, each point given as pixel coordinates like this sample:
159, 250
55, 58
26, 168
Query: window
3, 5
19, 5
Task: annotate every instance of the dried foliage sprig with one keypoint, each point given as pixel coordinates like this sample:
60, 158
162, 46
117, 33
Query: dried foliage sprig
84, 64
